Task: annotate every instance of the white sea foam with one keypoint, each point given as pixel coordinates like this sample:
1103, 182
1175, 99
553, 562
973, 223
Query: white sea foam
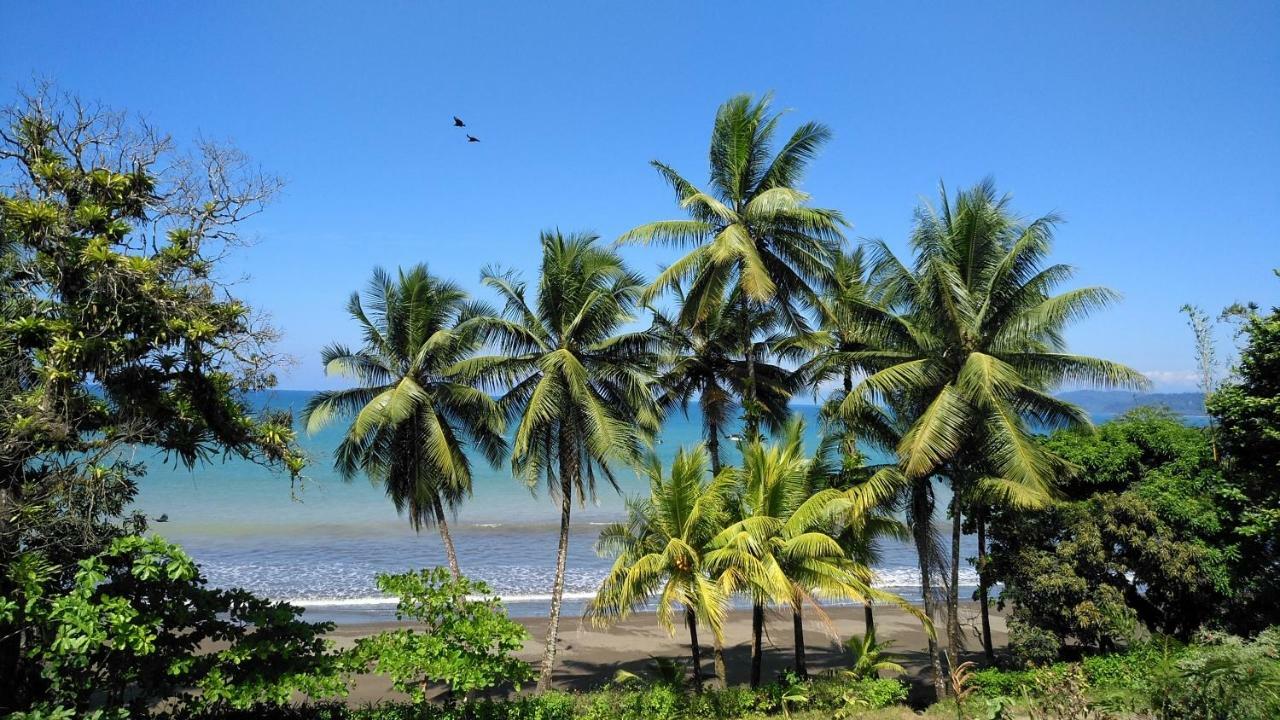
382, 600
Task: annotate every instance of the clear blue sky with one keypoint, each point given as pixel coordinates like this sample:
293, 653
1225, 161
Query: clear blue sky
1154, 127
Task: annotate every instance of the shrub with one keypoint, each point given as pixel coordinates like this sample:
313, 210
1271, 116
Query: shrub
1031, 645
466, 645
128, 633
655, 702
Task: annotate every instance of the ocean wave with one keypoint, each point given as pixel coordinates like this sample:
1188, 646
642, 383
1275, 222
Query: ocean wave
381, 600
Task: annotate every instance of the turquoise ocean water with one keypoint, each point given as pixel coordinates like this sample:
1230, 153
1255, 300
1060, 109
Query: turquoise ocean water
320, 545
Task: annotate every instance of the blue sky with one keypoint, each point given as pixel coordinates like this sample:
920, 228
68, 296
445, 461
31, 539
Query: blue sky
1153, 127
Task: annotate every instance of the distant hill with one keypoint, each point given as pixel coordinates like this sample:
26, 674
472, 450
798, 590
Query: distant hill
1114, 402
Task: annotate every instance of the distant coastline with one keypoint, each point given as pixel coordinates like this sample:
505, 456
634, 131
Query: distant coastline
1116, 402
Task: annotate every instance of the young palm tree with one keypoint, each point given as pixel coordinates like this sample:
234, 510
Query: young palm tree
578, 387
705, 360
661, 550
839, 464
782, 548
976, 340
751, 229
413, 421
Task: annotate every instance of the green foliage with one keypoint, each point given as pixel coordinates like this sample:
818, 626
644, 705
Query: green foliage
466, 643
1138, 536
130, 631
115, 334
1218, 678
1247, 414
870, 657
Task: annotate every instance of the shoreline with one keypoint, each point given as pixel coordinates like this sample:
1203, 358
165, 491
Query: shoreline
587, 657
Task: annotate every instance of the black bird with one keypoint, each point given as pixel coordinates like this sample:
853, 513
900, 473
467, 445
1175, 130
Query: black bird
472, 138
457, 122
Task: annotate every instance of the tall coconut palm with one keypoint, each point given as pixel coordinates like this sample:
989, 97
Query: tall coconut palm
412, 420
976, 337
577, 386
661, 550
705, 361
750, 229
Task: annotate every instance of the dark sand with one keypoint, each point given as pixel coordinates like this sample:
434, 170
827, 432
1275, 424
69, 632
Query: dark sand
588, 657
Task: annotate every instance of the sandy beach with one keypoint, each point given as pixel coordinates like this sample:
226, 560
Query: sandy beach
589, 656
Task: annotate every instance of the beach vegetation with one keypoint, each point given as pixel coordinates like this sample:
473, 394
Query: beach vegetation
461, 638
132, 628
118, 335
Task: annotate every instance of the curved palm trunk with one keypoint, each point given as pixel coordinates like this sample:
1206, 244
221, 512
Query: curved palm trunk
869, 618
797, 624
568, 473
923, 513
982, 589
691, 619
955, 637
757, 642
442, 525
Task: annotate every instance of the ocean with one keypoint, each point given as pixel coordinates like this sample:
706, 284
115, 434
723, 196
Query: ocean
321, 544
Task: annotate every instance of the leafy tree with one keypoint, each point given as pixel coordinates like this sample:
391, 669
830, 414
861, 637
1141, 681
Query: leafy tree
1139, 533
1247, 411
662, 548
117, 332
131, 631
577, 384
973, 333
413, 421
465, 640
751, 230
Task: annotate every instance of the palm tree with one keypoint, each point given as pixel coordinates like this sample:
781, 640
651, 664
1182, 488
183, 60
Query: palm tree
751, 229
413, 420
705, 360
578, 387
969, 349
782, 547
661, 550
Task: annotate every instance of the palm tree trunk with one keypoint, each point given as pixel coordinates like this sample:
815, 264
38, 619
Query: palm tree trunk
869, 619
923, 517
568, 473
692, 620
442, 525
713, 445
797, 624
757, 641
955, 638
722, 668
982, 588
749, 392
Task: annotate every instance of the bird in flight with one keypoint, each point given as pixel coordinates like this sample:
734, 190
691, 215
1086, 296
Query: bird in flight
472, 138
457, 122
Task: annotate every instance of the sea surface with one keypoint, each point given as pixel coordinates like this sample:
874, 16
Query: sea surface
320, 544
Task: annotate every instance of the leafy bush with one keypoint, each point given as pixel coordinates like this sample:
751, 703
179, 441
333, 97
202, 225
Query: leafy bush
655, 702
1032, 646
129, 631
1220, 678
467, 644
